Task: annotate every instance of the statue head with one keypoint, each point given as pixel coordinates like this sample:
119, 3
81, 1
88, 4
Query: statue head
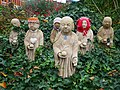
83, 24
33, 23
15, 22
107, 22
66, 24
56, 22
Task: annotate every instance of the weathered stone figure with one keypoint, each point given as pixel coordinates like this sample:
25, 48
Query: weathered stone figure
66, 48
56, 28
33, 38
13, 38
85, 34
105, 34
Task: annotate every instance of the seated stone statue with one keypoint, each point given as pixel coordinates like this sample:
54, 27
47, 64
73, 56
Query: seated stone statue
105, 34
33, 38
56, 28
66, 48
85, 34
13, 38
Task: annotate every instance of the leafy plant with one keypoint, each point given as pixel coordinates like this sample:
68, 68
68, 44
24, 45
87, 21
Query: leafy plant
96, 70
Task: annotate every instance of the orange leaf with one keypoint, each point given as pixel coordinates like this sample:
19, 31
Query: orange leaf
31, 70
18, 74
44, 20
101, 89
36, 67
3, 84
3, 74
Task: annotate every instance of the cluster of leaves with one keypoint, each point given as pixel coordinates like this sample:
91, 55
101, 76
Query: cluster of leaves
7, 14
97, 69
106, 8
41, 7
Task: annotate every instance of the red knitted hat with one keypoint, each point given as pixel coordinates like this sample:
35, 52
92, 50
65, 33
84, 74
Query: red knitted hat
80, 27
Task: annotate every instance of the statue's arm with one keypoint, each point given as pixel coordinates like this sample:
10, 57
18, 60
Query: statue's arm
112, 35
75, 51
99, 34
26, 39
91, 36
11, 37
42, 38
52, 36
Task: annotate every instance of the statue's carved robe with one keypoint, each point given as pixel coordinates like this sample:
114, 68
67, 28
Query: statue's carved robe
105, 33
38, 34
69, 44
13, 36
84, 39
53, 35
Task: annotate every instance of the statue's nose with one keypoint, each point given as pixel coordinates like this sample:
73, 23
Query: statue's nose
65, 26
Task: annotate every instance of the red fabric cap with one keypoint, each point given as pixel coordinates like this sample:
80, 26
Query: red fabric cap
80, 27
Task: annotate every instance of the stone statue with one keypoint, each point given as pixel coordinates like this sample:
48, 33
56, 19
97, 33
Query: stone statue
66, 48
56, 28
85, 34
33, 38
105, 34
13, 38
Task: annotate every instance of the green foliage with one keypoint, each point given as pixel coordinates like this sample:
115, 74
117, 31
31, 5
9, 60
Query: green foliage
6, 15
40, 7
117, 38
106, 8
97, 69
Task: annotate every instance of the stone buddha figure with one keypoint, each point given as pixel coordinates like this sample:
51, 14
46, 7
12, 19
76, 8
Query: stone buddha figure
105, 34
33, 38
66, 48
85, 35
13, 38
56, 29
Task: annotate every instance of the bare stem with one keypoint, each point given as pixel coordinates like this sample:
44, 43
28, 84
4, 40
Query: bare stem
97, 7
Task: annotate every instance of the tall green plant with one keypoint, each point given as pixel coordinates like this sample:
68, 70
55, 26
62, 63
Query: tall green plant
96, 70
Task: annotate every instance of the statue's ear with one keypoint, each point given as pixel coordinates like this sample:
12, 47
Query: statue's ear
110, 22
73, 26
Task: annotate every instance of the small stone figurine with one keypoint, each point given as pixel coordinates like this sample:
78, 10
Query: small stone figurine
33, 38
56, 29
85, 34
13, 38
66, 48
105, 34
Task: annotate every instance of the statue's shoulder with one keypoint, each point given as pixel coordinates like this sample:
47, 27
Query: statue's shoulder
101, 28
40, 31
111, 28
90, 31
74, 34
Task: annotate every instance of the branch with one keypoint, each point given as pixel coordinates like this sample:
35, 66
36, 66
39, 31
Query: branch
97, 7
